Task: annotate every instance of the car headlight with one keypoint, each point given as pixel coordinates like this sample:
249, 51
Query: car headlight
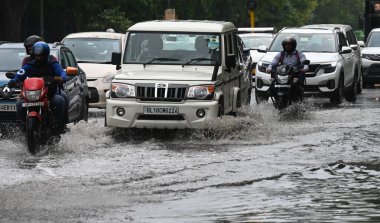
366, 56
122, 90
201, 92
282, 79
33, 95
329, 68
108, 79
262, 67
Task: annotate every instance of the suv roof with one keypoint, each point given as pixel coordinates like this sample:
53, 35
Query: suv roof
11, 45
105, 35
200, 26
375, 30
306, 30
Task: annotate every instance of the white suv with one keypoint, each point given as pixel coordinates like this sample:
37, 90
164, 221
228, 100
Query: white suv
177, 74
93, 52
334, 68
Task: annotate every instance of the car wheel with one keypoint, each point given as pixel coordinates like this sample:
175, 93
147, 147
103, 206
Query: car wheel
85, 111
360, 84
249, 96
221, 107
353, 93
337, 96
260, 96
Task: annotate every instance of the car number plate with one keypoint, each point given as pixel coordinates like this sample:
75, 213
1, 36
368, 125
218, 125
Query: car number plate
282, 86
161, 110
8, 107
33, 104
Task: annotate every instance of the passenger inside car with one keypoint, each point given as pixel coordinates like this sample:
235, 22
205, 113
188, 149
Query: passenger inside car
151, 48
201, 48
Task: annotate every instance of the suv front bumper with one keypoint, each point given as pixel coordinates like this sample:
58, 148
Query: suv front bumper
134, 116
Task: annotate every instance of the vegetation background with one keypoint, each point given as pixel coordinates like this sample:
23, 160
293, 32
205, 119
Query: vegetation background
21, 18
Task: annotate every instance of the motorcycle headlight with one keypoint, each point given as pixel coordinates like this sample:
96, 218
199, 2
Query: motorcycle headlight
33, 95
282, 79
122, 90
108, 79
201, 92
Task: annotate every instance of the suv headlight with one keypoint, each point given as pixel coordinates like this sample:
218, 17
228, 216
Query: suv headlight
33, 95
122, 90
108, 79
329, 68
366, 56
201, 92
262, 67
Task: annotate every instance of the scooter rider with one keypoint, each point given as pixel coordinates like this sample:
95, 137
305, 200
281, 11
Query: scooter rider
290, 56
43, 65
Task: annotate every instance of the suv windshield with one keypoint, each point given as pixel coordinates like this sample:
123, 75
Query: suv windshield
11, 59
374, 40
93, 50
253, 42
173, 48
308, 42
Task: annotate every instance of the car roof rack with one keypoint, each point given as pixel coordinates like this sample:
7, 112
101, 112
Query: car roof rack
257, 30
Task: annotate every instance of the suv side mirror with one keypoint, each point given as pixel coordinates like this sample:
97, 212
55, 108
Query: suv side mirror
346, 50
10, 75
72, 71
262, 49
354, 46
230, 61
361, 44
116, 60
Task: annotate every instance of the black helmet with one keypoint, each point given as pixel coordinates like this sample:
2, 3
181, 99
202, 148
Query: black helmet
30, 41
289, 40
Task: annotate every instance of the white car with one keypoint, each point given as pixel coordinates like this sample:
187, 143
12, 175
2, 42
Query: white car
177, 74
334, 69
93, 51
253, 38
371, 58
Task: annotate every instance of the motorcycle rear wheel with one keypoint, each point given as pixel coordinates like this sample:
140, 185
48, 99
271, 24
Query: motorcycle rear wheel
32, 135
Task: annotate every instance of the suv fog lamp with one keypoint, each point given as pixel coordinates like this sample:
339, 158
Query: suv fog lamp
201, 113
331, 84
120, 111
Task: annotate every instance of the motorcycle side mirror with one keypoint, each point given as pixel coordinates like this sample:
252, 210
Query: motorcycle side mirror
10, 75
306, 62
72, 71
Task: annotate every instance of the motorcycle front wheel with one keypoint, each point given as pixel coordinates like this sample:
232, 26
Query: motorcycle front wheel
32, 135
282, 102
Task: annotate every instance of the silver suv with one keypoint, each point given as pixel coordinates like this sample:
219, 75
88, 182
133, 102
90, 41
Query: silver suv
335, 68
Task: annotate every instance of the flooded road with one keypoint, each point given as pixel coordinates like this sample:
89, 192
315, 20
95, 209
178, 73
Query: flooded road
313, 163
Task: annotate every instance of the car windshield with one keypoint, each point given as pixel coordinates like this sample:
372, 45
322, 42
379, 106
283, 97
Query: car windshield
253, 42
374, 40
308, 42
173, 48
93, 50
11, 59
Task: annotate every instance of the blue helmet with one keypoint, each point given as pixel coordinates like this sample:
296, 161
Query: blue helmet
41, 49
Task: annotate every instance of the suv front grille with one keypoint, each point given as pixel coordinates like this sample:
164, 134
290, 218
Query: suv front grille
153, 92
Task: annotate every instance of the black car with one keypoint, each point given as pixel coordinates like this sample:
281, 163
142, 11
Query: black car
11, 56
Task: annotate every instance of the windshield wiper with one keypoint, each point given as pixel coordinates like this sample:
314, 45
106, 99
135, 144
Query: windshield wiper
160, 59
197, 60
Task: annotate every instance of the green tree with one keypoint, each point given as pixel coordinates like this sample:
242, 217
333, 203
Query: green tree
111, 18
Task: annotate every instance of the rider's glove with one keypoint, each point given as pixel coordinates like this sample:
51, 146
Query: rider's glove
269, 70
58, 79
12, 83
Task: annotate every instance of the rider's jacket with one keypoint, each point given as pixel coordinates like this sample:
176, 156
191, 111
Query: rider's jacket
283, 58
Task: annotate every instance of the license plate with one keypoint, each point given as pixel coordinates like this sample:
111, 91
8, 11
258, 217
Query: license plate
282, 86
161, 110
8, 107
32, 104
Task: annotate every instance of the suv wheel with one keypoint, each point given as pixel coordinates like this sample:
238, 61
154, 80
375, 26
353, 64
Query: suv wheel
353, 93
260, 96
337, 96
360, 83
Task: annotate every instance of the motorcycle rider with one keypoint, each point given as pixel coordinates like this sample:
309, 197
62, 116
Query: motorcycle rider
28, 44
43, 65
290, 56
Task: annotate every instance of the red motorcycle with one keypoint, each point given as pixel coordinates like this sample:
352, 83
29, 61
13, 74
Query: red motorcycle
41, 127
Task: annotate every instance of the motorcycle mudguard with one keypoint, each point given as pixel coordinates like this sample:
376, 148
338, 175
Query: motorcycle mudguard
35, 114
